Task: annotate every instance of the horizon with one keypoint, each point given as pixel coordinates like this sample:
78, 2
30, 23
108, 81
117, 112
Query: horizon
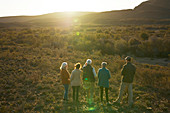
33, 8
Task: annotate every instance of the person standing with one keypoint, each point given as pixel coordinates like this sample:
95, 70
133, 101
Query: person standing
76, 81
65, 77
103, 81
89, 75
127, 72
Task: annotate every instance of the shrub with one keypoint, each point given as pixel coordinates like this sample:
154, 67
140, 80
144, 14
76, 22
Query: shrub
144, 36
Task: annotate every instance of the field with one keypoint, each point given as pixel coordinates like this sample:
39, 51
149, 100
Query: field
30, 59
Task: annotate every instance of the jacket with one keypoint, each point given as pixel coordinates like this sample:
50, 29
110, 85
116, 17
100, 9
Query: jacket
65, 76
89, 73
103, 77
128, 72
76, 77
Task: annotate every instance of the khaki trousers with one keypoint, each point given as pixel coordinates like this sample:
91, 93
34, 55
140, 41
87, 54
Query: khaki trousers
90, 91
123, 87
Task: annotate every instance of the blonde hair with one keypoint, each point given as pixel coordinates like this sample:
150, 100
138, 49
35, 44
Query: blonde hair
63, 65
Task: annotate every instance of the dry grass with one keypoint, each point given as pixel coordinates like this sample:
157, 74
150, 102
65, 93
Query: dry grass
30, 80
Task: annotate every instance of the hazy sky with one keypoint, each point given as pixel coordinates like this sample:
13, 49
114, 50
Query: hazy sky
38, 7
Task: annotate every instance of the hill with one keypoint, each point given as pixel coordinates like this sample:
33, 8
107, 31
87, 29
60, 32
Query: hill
149, 12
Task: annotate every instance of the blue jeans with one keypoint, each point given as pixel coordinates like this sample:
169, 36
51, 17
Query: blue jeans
66, 91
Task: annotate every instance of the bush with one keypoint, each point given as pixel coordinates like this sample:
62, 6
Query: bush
144, 36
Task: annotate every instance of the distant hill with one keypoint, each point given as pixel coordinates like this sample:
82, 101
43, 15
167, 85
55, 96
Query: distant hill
149, 12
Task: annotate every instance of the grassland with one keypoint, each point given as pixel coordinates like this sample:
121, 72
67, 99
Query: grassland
30, 59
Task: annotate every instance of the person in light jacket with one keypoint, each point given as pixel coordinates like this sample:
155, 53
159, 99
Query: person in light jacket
65, 77
103, 81
76, 81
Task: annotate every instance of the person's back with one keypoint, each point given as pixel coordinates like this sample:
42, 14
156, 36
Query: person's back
75, 78
65, 76
128, 72
103, 76
88, 73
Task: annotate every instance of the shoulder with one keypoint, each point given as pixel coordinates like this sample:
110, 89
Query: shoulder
107, 70
73, 71
134, 66
62, 71
125, 65
84, 67
99, 69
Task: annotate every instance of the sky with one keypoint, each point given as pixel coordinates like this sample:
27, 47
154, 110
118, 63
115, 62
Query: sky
38, 7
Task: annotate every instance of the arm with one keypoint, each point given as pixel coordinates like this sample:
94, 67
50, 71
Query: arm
67, 76
94, 72
98, 74
123, 70
72, 76
109, 74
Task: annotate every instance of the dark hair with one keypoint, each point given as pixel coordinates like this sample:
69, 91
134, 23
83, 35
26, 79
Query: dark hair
128, 58
77, 65
104, 64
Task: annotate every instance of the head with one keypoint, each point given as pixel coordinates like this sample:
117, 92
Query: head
103, 64
88, 61
128, 59
77, 65
64, 65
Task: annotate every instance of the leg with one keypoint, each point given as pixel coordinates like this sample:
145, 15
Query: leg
106, 92
73, 92
130, 94
122, 88
77, 95
91, 90
66, 91
101, 93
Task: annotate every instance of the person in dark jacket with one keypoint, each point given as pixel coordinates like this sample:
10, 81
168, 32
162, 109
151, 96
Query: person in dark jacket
103, 81
65, 77
89, 75
127, 72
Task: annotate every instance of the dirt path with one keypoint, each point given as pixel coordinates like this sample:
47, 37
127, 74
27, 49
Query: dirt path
154, 61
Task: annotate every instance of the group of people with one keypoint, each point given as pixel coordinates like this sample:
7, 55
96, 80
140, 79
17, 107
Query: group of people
86, 75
